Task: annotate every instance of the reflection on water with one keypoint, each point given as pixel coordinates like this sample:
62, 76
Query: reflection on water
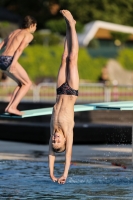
30, 180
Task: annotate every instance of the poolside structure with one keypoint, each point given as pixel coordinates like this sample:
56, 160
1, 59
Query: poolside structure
119, 105
101, 28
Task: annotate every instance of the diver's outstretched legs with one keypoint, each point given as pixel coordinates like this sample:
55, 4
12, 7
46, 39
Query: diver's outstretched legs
72, 47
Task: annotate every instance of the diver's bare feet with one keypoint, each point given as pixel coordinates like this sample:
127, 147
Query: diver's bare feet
6, 109
14, 111
68, 16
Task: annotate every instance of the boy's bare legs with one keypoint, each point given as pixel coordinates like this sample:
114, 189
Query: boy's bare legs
15, 91
73, 76
12, 98
62, 73
20, 74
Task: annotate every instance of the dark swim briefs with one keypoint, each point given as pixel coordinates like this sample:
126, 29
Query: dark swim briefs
66, 89
5, 62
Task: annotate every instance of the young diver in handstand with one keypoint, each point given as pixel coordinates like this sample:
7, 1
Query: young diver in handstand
14, 45
62, 119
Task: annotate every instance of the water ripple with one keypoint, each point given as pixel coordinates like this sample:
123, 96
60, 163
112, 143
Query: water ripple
30, 180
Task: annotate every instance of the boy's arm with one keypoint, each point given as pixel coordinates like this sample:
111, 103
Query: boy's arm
68, 156
3, 43
51, 159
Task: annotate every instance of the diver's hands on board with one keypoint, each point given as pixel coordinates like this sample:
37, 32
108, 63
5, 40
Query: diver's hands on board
54, 179
62, 179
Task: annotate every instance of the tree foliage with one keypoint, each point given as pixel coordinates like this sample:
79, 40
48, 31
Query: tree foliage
84, 11
59, 26
118, 11
46, 38
44, 61
6, 28
123, 37
38, 9
125, 57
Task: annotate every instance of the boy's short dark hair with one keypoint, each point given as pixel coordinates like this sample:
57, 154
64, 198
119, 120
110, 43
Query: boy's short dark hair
59, 150
28, 21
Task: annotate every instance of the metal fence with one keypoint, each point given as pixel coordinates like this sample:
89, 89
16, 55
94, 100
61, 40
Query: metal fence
88, 92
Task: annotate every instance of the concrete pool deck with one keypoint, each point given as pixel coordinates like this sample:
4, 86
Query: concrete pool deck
94, 155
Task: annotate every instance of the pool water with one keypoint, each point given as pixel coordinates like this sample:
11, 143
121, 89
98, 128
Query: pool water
20, 179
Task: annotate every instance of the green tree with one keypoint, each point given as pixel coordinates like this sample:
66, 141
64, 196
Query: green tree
39, 9
44, 61
58, 26
106, 10
121, 37
125, 58
6, 28
45, 38
84, 11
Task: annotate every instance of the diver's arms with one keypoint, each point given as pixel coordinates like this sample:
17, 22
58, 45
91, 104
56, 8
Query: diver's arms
51, 159
68, 156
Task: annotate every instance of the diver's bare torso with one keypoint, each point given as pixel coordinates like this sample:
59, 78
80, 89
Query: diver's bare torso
63, 114
14, 40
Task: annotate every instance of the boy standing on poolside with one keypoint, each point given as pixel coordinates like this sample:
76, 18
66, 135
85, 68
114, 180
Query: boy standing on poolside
14, 45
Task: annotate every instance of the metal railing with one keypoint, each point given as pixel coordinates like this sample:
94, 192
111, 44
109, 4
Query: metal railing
88, 92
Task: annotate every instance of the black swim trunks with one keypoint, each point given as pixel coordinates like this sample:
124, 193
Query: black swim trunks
66, 89
5, 62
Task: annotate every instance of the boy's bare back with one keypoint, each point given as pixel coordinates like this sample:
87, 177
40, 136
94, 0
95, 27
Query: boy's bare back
15, 39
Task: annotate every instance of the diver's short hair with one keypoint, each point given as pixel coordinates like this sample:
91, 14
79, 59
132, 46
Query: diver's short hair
59, 150
28, 21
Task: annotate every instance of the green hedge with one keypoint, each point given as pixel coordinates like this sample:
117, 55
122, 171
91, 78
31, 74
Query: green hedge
90, 68
59, 26
125, 58
46, 39
44, 61
41, 61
